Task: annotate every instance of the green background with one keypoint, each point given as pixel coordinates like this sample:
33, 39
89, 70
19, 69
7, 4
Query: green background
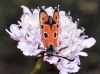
12, 61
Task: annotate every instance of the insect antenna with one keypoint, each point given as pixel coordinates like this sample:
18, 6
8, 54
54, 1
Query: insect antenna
40, 55
61, 57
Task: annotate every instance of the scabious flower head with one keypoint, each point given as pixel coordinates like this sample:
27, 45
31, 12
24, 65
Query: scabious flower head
71, 40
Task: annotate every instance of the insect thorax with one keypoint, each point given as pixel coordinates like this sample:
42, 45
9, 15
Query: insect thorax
50, 50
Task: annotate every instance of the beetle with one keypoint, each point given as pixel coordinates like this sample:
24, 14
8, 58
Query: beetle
49, 29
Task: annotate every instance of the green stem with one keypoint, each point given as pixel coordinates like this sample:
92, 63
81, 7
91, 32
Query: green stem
37, 66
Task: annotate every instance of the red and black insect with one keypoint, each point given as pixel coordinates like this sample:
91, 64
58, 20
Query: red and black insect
49, 30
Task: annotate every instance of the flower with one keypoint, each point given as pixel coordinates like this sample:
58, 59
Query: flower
71, 40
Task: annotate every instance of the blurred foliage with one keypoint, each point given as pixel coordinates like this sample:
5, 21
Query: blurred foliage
12, 61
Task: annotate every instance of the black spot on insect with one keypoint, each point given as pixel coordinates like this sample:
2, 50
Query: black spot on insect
50, 21
45, 35
42, 26
56, 17
55, 34
57, 25
42, 18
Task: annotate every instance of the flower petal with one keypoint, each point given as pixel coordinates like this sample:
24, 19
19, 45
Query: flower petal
82, 54
87, 43
51, 60
26, 10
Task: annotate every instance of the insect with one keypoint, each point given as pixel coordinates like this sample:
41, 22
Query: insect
49, 30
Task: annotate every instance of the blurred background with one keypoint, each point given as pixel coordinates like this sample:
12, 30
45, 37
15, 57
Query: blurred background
12, 61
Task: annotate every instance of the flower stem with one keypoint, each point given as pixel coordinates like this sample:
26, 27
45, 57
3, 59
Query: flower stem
37, 66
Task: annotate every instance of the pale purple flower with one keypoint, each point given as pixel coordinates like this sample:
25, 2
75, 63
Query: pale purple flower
66, 66
71, 40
